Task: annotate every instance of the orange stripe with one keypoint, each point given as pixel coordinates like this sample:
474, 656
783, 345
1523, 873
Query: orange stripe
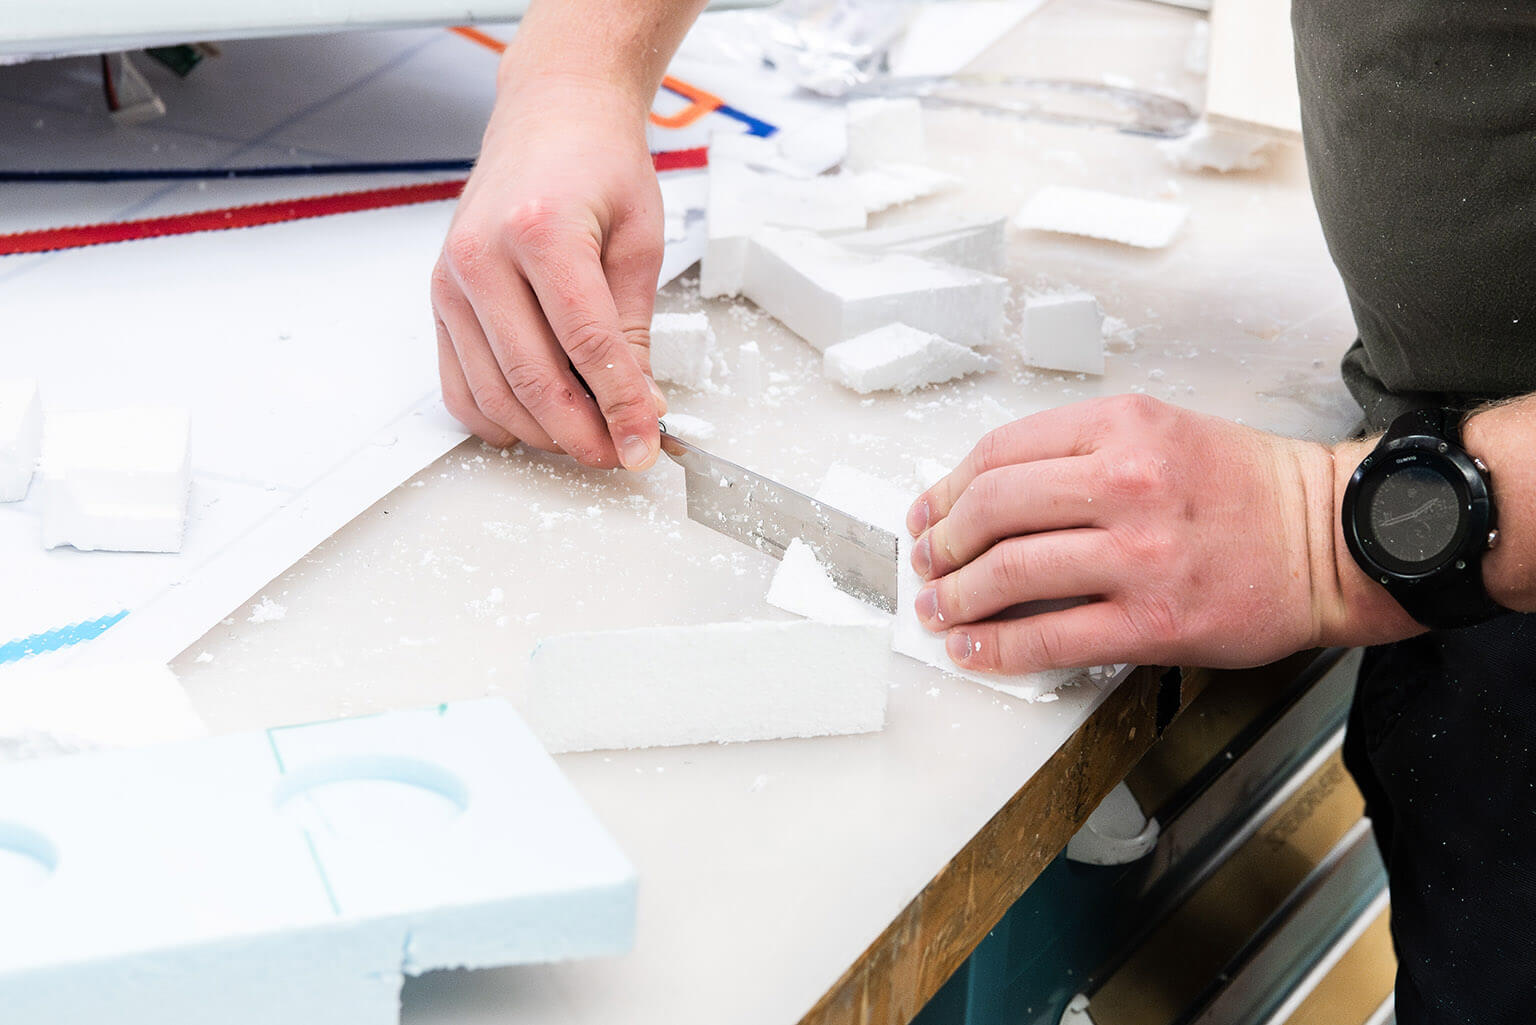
474, 35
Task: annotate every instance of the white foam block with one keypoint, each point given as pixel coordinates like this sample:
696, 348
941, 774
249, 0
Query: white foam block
1107, 215
47, 708
683, 349
899, 358
870, 498
1064, 332
21, 437
912, 639
886, 185
743, 199
827, 294
117, 479
884, 131
719, 682
978, 244
802, 585
296, 874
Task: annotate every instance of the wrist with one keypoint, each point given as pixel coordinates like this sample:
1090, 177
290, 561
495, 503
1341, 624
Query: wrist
1359, 610
1494, 435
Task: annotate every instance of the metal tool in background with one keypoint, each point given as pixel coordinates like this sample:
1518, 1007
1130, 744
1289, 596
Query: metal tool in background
1058, 101
757, 511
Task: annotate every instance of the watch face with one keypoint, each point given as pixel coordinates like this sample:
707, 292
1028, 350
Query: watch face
1414, 514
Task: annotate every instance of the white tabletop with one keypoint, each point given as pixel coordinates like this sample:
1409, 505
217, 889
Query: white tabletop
767, 868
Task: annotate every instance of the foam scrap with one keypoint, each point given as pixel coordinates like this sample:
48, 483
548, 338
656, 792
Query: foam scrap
980, 244
899, 358
1208, 148
887, 185
1064, 332
719, 682
1073, 211
689, 428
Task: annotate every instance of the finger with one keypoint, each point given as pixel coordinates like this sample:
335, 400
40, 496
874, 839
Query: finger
478, 389
1084, 635
1060, 564
457, 398
564, 269
632, 264
536, 369
1051, 434
1003, 503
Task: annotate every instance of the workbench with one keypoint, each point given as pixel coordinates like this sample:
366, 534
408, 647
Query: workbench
840, 879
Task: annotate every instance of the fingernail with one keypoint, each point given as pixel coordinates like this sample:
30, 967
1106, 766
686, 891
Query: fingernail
927, 603
922, 557
634, 453
917, 517
959, 646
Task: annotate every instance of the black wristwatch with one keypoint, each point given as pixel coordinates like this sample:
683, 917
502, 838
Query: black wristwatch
1418, 516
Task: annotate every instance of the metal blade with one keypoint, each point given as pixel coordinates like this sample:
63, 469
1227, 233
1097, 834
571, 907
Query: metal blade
860, 557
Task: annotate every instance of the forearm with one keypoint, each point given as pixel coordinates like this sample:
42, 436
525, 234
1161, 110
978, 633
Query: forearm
1358, 610
621, 46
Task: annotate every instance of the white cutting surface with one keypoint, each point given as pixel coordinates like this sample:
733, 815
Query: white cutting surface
767, 868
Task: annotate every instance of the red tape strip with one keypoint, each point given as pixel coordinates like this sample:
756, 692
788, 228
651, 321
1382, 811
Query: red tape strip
51, 239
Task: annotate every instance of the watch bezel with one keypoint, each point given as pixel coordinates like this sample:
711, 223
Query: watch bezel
1473, 503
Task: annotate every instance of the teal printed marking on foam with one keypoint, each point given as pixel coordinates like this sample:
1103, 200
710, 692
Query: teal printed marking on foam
57, 638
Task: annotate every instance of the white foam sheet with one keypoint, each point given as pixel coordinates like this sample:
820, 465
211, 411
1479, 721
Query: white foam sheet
1145, 223
899, 358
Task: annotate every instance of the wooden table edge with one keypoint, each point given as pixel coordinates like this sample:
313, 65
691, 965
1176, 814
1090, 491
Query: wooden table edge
917, 953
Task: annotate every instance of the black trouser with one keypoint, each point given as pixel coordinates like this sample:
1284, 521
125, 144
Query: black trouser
1442, 740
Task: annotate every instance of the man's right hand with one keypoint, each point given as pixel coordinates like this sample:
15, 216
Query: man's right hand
551, 263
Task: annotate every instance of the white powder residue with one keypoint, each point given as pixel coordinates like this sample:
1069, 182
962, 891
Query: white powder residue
267, 611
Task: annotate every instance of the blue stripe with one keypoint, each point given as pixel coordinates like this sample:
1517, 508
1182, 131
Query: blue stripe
53, 640
755, 126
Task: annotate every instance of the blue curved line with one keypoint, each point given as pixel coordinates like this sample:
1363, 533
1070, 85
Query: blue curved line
60, 637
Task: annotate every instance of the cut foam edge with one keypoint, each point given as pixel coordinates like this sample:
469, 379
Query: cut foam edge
899, 358
802, 585
978, 243
1068, 210
715, 683
689, 428
21, 437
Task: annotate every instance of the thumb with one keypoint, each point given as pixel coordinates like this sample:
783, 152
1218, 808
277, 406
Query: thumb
632, 263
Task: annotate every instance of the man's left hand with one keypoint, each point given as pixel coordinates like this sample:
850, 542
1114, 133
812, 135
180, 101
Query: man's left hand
1191, 539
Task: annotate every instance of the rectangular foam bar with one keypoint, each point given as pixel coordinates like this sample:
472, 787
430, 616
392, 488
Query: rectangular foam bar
827, 294
117, 479
296, 875
21, 437
665, 686
1145, 223
980, 244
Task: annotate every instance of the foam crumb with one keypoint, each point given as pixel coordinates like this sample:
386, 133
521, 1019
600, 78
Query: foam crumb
267, 611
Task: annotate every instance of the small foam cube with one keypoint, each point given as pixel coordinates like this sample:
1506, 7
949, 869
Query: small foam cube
683, 349
117, 480
899, 358
883, 131
719, 682
1064, 332
21, 436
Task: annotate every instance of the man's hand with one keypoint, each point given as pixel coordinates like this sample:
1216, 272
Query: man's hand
551, 262
1195, 541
